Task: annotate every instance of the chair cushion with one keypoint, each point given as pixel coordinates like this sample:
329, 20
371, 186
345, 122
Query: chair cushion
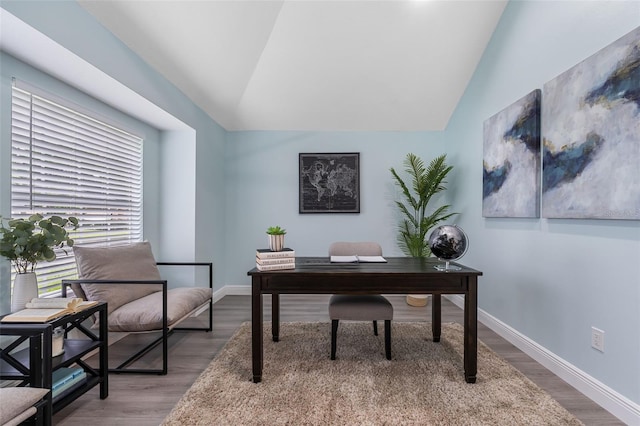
364, 307
358, 307
145, 314
364, 248
18, 400
129, 262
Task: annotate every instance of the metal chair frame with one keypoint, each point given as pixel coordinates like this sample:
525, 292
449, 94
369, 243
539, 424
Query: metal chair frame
166, 330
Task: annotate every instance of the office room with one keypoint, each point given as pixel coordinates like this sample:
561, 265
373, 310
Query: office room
221, 146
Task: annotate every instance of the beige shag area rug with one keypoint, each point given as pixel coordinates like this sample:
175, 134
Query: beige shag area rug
423, 384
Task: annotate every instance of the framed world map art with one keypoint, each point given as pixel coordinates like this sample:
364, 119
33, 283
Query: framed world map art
329, 182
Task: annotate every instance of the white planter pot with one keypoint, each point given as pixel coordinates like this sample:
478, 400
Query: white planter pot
276, 242
25, 288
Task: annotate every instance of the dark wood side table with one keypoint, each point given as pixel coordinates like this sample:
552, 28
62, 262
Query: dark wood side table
22, 364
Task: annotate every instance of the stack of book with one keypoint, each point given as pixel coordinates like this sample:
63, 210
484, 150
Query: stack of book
267, 260
65, 378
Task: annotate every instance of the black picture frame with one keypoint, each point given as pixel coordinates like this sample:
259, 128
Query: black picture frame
329, 182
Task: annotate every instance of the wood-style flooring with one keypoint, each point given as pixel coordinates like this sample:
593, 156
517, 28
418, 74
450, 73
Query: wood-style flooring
147, 399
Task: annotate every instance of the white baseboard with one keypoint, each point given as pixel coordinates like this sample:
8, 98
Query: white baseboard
241, 290
618, 405
232, 290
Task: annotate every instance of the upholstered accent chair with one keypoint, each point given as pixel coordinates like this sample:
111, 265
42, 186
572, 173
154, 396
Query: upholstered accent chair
21, 404
138, 299
354, 307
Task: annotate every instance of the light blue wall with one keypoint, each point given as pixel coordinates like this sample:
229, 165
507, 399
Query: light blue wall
551, 280
262, 176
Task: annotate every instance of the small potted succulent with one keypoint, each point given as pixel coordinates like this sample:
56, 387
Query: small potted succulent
25, 242
276, 238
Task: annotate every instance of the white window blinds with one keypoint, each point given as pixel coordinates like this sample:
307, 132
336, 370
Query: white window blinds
69, 164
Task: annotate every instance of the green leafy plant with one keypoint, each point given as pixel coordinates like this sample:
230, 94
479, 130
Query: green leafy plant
417, 220
25, 242
276, 230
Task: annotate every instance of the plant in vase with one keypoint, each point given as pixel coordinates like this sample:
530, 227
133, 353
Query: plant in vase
417, 217
276, 238
25, 242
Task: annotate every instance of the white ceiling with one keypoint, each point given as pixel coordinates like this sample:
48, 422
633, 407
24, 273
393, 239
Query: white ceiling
311, 65
31, 46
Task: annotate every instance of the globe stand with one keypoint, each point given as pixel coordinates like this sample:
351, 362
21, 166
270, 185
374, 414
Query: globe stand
447, 267
447, 243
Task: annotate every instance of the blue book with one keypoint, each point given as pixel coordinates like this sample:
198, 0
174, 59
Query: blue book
64, 375
61, 390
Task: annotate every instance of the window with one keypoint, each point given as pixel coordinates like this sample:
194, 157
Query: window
67, 163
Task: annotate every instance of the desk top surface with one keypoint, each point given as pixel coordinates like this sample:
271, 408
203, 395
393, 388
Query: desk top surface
394, 265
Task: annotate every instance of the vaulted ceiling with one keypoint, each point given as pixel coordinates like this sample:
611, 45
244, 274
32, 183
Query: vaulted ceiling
311, 65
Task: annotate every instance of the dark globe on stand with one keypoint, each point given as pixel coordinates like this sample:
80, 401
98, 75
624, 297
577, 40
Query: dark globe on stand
448, 242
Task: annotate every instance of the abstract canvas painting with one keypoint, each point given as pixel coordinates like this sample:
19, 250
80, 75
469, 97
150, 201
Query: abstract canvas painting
591, 136
511, 166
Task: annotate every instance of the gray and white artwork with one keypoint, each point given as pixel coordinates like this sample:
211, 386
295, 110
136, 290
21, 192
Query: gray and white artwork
511, 163
591, 134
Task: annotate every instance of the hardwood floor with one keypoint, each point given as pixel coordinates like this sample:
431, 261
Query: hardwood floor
147, 399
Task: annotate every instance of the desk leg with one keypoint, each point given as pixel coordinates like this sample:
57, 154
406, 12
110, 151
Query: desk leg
436, 316
275, 317
471, 330
256, 328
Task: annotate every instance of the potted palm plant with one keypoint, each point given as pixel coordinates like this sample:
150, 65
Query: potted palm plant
25, 242
276, 238
417, 216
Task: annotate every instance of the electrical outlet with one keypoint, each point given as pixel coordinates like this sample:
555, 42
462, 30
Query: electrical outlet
597, 339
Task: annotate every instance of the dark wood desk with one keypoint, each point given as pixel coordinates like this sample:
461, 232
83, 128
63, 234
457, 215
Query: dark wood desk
401, 275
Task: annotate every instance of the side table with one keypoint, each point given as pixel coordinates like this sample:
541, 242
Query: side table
17, 362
